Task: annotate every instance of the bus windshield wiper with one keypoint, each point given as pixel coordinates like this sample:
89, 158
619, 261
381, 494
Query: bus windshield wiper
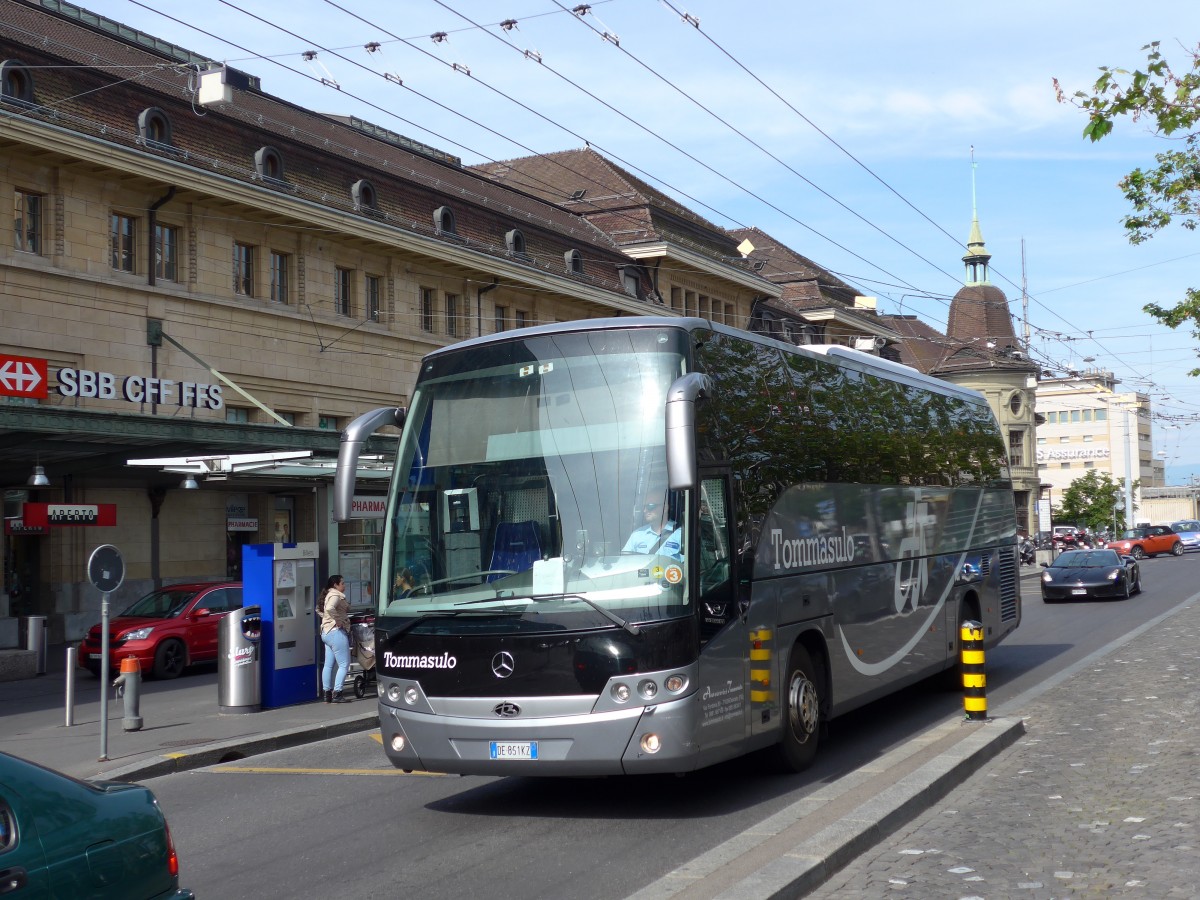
443, 614
607, 613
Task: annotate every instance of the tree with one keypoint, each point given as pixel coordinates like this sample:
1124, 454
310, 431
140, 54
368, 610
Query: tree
1095, 501
1170, 101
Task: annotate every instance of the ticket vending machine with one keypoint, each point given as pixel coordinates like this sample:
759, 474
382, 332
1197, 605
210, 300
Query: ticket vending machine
282, 579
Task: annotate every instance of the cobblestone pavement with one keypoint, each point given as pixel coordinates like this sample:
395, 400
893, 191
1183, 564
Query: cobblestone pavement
1100, 799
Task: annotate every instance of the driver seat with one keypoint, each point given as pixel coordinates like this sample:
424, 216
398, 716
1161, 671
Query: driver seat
515, 548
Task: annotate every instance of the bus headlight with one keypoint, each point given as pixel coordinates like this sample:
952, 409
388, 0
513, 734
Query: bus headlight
620, 692
675, 683
398, 743
411, 696
393, 693
651, 743
648, 689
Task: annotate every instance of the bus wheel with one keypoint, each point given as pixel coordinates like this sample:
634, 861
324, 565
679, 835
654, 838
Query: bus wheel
802, 712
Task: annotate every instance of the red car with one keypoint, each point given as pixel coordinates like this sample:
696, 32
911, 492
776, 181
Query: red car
1148, 540
167, 630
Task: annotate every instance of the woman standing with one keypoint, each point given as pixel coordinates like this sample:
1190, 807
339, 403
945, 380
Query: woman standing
335, 634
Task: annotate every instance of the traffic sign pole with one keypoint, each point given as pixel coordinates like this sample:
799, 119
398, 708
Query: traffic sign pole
106, 570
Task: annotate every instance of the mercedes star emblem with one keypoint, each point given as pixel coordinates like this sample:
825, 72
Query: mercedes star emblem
502, 664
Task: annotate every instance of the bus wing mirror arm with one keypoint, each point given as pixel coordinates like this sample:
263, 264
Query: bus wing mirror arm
353, 439
681, 428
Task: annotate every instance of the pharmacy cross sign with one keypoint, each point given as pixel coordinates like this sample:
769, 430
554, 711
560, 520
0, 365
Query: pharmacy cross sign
22, 376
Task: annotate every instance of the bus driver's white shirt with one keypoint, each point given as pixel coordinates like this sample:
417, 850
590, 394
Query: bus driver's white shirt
646, 539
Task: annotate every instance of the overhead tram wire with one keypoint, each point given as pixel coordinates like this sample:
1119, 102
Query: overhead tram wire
760, 147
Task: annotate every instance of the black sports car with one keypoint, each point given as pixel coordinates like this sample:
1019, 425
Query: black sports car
1090, 573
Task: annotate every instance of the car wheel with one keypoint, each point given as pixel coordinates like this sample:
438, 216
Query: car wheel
1046, 599
1137, 584
169, 659
1128, 590
1137, 552
1177, 550
802, 713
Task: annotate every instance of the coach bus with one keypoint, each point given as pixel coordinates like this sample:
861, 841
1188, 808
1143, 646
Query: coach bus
649, 544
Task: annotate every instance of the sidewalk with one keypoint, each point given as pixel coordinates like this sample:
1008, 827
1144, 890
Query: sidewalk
182, 727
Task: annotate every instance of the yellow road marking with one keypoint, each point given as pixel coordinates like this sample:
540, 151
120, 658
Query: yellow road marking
377, 737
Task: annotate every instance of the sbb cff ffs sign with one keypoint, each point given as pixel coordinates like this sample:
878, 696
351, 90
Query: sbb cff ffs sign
42, 515
22, 376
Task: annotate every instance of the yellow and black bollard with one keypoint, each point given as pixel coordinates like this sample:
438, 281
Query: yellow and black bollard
974, 675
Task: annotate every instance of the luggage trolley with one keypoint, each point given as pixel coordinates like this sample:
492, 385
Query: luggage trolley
361, 674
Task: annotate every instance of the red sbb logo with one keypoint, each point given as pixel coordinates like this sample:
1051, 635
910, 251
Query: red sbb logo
23, 376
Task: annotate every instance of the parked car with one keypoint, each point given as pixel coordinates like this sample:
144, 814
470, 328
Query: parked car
61, 837
167, 630
1148, 540
1189, 533
1086, 574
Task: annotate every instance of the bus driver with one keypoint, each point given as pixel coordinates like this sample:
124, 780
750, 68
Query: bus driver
657, 534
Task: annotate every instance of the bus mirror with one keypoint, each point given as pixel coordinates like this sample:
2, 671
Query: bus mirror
681, 428
353, 439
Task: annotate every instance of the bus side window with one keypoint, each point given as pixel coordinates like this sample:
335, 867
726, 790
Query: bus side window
714, 564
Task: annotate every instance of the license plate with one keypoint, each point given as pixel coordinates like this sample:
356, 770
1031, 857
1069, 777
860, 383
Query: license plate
513, 750
1079, 591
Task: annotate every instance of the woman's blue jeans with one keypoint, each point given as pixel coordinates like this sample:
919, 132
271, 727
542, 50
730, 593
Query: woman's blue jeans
337, 648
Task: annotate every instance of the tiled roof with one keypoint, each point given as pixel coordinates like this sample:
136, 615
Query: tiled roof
981, 311
922, 347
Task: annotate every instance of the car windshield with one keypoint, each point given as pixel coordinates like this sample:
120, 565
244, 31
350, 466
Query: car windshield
165, 604
1131, 534
1087, 559
1186, 525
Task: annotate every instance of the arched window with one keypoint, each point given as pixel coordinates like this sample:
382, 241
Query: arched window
16, 82
362, 192
443, 221
515, 241
574, 261
154, 126
268, 164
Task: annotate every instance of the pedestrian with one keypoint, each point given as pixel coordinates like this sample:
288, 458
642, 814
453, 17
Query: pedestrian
335, 634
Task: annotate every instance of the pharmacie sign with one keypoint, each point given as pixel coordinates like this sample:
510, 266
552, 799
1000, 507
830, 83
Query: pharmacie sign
367, 507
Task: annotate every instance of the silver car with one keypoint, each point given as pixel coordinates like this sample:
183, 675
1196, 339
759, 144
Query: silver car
1189, 533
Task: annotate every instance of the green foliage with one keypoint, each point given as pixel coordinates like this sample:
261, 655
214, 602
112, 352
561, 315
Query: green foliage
1090, 501
1169, 100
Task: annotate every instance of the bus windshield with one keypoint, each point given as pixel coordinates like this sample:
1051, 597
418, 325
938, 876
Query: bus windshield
531, 481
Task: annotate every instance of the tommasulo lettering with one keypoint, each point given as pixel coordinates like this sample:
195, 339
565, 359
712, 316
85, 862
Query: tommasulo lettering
396, 661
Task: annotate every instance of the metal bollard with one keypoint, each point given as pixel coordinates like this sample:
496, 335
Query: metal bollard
71, 667
974, 674
129, 686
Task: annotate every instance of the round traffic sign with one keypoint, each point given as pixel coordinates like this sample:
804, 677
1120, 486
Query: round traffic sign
106, 568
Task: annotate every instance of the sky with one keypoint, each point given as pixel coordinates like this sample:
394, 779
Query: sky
850, 133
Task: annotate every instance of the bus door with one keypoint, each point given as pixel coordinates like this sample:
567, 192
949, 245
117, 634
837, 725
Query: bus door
724, 661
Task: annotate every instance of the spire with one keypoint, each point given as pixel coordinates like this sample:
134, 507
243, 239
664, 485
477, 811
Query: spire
977, 256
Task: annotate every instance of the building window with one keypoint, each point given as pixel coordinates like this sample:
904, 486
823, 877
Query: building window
16, 83
154, 127
501, 318
427, 309
27, 222
1089, 464
327, 423
677, 299
519, 318
279, 277
1074, 416
362, 192
121, 236
1016, 448
1087, 438
629, 280
452, 315
1052, 418
689, 303
1064, 439
443, 221
288, 417
1064, 465
237, 415
729, 314
371, 297
342, 300
166, 252
1100, 415
574, 261
268, 164
243, 270
515, 242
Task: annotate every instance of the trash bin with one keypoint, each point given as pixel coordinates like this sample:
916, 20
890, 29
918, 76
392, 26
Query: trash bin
238, 686
34, 637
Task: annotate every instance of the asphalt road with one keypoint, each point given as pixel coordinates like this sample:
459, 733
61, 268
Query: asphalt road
334, 819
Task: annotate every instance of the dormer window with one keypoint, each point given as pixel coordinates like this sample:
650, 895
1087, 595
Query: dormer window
629, 280
574, 261
154, 127
16, 83
268, 164
363, 194
443, 221
515, 242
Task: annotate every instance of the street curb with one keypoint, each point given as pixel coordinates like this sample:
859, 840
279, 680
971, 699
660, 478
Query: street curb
813, 861
240, 748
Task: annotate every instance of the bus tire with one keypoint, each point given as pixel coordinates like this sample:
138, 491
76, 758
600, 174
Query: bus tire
801, 712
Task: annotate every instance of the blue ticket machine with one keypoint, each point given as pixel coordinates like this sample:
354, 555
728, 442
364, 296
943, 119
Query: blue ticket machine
282, 579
